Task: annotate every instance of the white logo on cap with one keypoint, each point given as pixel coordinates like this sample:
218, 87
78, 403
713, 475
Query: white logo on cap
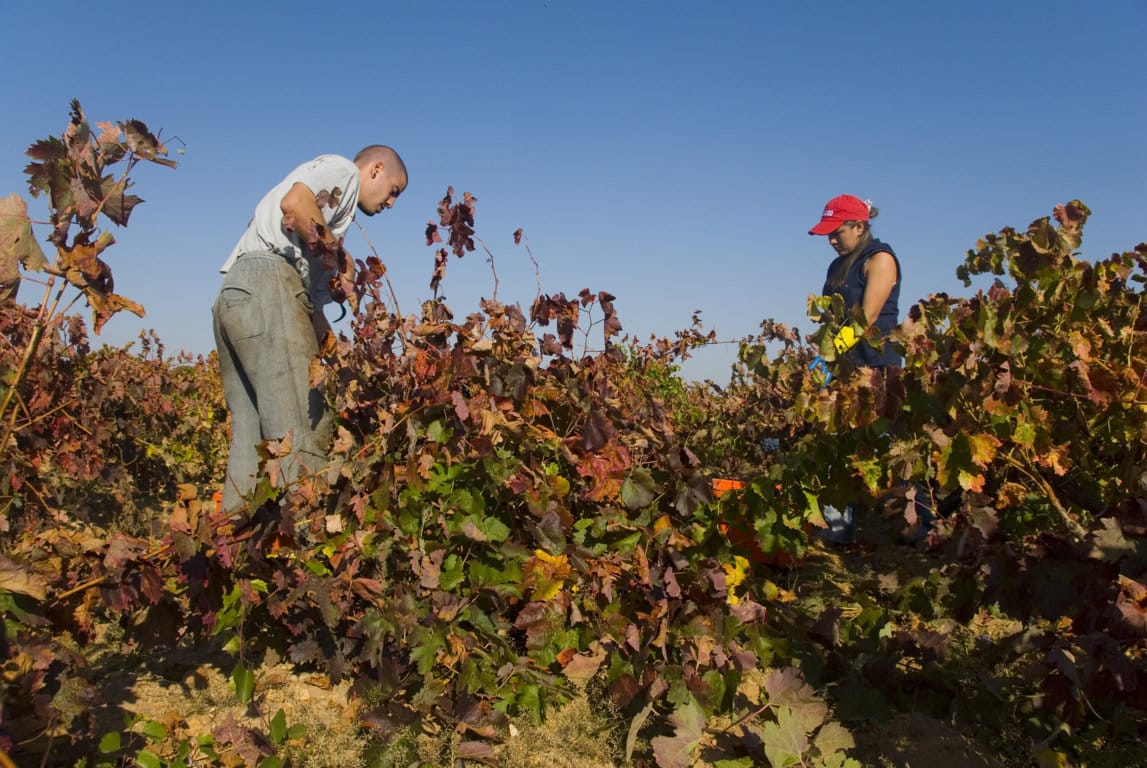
827, 212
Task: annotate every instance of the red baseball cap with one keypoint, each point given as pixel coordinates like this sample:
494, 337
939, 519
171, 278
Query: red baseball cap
839, 210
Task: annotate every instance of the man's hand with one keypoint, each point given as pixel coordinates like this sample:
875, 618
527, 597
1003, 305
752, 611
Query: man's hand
321, 325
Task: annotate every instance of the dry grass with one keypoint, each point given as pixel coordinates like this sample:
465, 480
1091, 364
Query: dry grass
574, 736
199, 699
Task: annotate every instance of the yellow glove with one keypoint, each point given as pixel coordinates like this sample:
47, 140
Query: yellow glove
845, 340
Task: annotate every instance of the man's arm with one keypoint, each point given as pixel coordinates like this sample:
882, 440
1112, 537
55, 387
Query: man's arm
301, 215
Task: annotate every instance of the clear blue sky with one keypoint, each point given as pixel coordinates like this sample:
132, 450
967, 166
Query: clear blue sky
672, 153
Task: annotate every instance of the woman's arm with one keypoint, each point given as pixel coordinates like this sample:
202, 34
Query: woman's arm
880, 275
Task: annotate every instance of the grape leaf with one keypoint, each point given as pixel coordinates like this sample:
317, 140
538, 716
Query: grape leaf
677, 751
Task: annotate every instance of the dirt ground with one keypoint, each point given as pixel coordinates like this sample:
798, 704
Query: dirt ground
917, 741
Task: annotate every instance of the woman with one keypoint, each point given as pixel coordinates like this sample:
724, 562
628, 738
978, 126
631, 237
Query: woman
866, 274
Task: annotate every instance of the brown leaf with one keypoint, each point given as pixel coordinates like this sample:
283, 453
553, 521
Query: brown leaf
477, 750
151, 583
597, 431
581, 667
143, 142
121, 549
16, 578
672, 588
105, 305
461, 410
316, 372
117, 204
679, 750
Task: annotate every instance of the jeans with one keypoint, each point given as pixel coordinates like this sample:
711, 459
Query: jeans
841, 524
266, 342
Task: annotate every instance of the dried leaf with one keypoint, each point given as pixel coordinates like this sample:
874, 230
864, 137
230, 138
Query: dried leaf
16, 578
18, 246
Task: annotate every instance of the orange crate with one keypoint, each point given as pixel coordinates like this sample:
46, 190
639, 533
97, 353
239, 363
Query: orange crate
721, 485
740, 531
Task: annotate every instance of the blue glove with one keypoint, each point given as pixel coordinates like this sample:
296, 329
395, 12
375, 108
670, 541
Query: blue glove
818, 365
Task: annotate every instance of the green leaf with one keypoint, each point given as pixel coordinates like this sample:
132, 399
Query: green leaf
467, 501
872, 472
409, 522
206, 744
628, 544
278, 727
529, 701
638, 490
1024, 434
452, 572
833, 738
154, 731
425, 649
482, 529
147, 759
244, 682
494, 529
437, 432
110, 742
271, 761
263, 492
784, 740
296, 731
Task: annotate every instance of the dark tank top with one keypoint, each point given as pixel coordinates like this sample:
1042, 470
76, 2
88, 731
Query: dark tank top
852, 291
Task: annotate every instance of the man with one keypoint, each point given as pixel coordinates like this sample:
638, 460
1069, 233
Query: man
268, 317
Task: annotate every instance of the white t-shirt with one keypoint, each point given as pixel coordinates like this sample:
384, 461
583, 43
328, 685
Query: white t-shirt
334, 180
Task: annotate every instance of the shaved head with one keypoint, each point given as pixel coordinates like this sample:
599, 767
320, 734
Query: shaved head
382, 178
380, 153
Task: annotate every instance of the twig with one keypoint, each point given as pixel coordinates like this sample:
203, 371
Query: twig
38, 328
492, 269
385, 274
1045, 486
232, 517
585, 334
743, 718
47, 750
537, 269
